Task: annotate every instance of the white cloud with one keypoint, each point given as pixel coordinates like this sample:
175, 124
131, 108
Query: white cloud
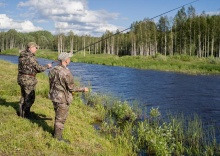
213, 13
71, 15
2, 4
7, 23
27, 26
94, 29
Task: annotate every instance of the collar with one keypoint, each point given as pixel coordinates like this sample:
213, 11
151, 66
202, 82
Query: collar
30, 52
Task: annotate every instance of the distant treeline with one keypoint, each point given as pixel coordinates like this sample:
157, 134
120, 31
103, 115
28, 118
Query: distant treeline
185, 33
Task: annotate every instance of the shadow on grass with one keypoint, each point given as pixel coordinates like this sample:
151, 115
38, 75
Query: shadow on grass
39, 119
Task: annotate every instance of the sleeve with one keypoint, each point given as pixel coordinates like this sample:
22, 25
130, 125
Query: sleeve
38, 68
69, 82
71, 86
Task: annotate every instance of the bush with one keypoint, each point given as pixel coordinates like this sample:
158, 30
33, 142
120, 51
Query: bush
123, 112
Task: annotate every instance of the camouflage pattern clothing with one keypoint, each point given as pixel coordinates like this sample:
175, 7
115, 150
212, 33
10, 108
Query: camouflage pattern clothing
61, 84
61, 88
28, 67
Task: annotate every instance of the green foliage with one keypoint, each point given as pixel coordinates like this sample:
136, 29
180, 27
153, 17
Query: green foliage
13, 51
48, 54
213, 60
154, 112
20, 137
176, 35
160, 57
177, 63
120, 131
153, 136
122, 112
183, 57
44, 89
156, 141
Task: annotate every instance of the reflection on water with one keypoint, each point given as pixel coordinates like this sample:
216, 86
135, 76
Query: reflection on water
173, 92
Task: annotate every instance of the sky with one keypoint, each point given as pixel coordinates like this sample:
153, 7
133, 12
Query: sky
90, 17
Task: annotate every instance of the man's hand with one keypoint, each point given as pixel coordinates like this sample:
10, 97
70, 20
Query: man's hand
49, 65
86, 89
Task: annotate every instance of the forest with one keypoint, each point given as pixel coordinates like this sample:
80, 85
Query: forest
186, 33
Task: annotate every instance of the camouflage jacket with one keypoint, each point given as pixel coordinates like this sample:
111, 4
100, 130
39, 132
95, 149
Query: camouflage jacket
28, 67
61, 84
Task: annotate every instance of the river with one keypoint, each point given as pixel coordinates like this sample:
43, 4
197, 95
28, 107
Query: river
169, 91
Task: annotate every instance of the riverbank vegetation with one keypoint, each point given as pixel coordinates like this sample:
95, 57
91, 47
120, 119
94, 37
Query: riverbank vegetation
21, 137
177, 63
120, 128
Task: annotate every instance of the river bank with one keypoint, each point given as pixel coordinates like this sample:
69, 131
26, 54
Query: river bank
22, 137
120, 131
177, 63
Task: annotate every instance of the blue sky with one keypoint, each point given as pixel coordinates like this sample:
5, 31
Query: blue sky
89, 17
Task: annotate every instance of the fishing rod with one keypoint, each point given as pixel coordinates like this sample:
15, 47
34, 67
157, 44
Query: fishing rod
131, 26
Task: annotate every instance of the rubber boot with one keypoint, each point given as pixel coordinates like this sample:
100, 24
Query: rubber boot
27, 112
21, 111
21, 105
58, 136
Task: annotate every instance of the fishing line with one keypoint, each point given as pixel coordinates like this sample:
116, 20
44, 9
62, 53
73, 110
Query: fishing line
131, 26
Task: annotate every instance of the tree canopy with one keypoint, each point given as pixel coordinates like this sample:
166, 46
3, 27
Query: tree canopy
185, 33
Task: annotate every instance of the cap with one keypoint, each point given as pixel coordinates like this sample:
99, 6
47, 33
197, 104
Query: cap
64, 55
32, 44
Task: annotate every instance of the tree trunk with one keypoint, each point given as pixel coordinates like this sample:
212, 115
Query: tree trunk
165, 44
155, 42
113, 46
219, 50
190, 39
84, 45
199, 42
205, 47
212, 49
71, 44
134, 52
171, 49
3, 40
11, 42
208, 47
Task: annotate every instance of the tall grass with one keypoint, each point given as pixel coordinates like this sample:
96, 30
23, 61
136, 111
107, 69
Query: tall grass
177, 135
176, 63
21, 137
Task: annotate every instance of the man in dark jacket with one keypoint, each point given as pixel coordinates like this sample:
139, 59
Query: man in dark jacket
61, 88
28, 67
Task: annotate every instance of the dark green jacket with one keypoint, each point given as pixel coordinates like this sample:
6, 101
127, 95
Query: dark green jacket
28, 67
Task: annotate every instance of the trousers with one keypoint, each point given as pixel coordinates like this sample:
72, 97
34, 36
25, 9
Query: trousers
26, 101
61, 113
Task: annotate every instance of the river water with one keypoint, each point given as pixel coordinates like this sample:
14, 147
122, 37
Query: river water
169, 91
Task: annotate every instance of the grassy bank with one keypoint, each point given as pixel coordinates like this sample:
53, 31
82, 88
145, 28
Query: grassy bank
121, 130
176, 63
23, 137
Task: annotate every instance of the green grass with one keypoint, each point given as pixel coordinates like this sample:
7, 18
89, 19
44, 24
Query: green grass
120, 130
19, 136
178, 135
179, 63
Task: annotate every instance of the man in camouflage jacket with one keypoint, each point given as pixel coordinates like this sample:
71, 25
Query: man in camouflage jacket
28, 67
61, 88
